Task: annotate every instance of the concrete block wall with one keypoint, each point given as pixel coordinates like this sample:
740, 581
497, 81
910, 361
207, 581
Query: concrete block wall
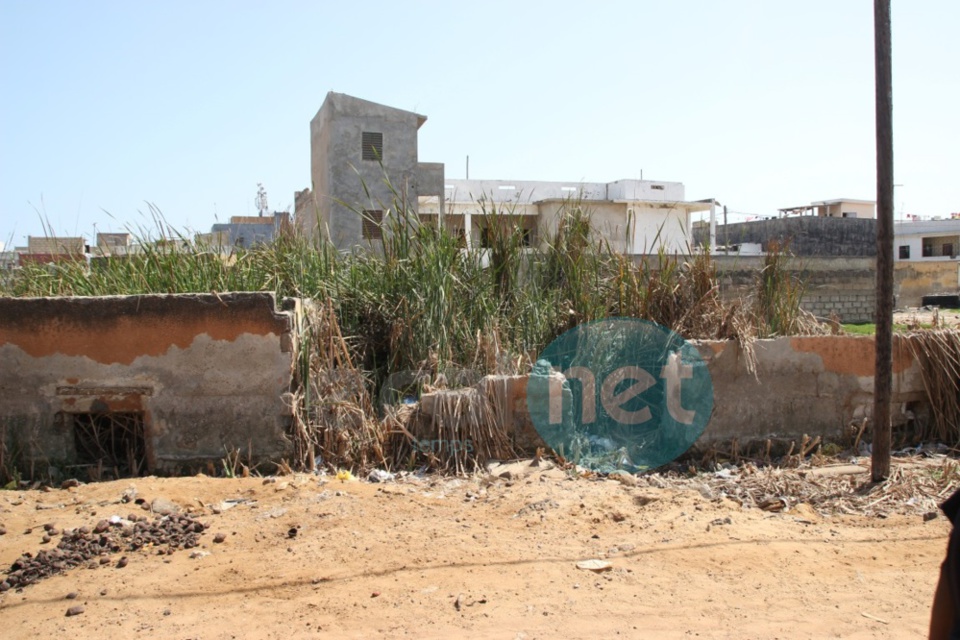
208, 374
845, 287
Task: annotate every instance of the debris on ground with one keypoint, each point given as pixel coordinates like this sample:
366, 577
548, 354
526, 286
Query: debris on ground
93, 547
917, 485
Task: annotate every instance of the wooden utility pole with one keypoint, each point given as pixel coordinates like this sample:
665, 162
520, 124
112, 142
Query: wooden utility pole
883, 375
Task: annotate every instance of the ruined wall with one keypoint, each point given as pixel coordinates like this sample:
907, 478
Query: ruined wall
813, 385
206, 374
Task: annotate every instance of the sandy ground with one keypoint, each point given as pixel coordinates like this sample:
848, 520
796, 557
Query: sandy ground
477, 558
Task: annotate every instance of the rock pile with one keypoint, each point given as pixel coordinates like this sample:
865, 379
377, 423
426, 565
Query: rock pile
94, 547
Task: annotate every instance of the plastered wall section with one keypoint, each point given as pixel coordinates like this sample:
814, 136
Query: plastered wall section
918, 278
209, 373
815, 385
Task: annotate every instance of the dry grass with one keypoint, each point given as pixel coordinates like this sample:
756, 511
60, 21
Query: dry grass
333, 415
938, 352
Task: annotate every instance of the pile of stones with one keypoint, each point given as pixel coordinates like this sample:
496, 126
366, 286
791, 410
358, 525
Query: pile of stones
95, 547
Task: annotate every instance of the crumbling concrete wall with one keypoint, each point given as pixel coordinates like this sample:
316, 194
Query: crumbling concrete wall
813, 385
208, 374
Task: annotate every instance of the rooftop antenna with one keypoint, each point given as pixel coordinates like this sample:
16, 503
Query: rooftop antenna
261, 200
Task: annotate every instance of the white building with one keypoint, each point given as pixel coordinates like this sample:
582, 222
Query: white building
926, 239
635, 216
839, 208
355, 143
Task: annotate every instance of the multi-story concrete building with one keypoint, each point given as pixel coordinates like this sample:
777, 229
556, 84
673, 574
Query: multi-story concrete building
356, 146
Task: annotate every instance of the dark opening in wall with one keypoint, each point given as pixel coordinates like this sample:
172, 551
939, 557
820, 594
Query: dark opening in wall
372, 221
371, 145
111, 445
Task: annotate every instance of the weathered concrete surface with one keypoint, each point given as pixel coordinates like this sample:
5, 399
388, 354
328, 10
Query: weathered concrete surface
208, 373
807, 235
813, 385
918, 278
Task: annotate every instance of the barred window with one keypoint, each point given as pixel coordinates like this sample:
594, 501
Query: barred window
372, 143
372, 219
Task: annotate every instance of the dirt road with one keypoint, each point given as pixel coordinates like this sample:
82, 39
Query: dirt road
475, 558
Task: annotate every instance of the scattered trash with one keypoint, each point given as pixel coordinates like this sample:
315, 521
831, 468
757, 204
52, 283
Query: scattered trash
344, 475
379, 475
230, 503
875, 618
597, 566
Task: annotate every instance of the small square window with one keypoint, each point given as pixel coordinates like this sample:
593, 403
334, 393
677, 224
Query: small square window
528, 237
904, 252
372, 219
372, 143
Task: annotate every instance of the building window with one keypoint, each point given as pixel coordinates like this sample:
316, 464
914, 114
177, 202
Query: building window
927, 249
529, 237
372, 219
904, 252
372, 144
947, 249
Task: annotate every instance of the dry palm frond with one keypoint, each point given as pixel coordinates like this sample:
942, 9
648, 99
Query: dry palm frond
938, 353
917, 485
333, 411
459, 431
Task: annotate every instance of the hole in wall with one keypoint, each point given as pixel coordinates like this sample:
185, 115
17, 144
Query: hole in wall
111, 445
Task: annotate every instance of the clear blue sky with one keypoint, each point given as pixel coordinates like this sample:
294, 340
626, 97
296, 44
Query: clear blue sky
109, 106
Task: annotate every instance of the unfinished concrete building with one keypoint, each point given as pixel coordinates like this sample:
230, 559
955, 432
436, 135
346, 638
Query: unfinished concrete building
354, 145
